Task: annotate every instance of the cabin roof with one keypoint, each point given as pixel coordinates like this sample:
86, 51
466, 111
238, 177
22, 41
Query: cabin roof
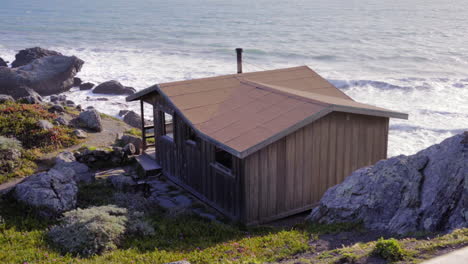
242, 113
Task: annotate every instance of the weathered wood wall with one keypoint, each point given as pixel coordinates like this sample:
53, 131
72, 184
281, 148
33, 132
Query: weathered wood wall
190, 163
292, 174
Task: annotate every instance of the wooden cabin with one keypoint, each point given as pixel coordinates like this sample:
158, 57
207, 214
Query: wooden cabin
260, 146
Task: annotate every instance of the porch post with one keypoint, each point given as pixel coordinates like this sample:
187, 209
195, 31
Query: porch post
143, 130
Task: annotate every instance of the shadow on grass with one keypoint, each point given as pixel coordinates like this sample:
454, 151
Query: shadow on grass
21, 217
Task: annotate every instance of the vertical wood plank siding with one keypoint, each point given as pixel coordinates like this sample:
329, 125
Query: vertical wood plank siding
286, 177
292, 174
190, 164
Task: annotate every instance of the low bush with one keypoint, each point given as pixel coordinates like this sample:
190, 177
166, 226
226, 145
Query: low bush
389, 249
96, 230
10, 143
20, 121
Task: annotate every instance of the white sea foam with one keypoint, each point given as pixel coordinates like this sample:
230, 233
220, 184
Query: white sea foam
407, 56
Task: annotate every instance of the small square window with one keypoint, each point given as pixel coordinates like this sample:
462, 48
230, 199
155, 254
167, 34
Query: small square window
223, 158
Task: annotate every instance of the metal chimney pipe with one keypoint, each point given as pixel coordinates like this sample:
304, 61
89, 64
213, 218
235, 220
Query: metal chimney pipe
239, 60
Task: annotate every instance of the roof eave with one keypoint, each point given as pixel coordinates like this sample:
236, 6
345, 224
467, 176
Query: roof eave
138, 95
370, 112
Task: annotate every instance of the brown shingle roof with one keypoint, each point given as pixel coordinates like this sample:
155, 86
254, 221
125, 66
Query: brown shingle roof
244, 112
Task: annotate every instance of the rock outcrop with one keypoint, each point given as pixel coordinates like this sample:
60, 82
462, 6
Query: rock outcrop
133, 119
52, 192
137, 142
6, 98
103, 158
67, 160
427, 191
113, 87
86, 86
3, 63
89, 119
47, 75
26, 56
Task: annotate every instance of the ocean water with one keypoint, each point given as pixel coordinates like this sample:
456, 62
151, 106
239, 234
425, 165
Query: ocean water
405, 55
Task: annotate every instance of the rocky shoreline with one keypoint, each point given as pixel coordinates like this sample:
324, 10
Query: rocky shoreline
38, 72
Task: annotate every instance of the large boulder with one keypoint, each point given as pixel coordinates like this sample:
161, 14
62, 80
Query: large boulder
427, 191
82, 173
6, 98
89, 119
3, 63
86, 86
113, 87
26, 56
52, 192
137, 142
133, 119
47, 75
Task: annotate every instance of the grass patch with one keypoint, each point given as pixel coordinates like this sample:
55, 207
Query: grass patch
71, 110
106, 116
24, 167
137, 132
23, 239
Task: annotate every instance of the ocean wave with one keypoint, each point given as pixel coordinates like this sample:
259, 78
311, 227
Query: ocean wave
413, 128
345, 84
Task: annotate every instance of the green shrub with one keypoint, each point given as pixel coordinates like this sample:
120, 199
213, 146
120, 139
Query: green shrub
10, 143
389, 249
96, 230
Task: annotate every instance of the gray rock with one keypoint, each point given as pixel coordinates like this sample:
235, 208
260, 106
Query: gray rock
52, 192
56, 109
123, 112
178, 262
70, 103
122, 182
166, 202
6, 98
61, 121
423, 192
77, 82
47, 75
136, 141
65, 157
86, 86
129, 149
113, 87
182, 201
80, 134
3, 63
27, 95
89, 119
44, 124
133, 119
67, 161
26, 56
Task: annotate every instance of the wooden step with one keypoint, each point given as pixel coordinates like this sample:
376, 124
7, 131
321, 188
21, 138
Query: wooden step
148, 166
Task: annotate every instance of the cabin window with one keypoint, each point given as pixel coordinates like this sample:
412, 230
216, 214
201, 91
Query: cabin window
223, 158
168, 129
